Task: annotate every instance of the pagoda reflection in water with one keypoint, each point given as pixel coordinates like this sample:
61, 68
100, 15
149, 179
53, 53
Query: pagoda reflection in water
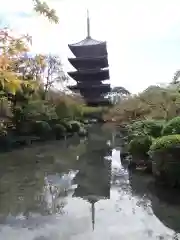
94, 177
91, 64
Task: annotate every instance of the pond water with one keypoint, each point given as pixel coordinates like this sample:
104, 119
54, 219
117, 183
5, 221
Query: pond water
79, 189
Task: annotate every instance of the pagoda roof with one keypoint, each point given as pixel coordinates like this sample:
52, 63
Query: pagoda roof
90, 75
89, 48
89, 62
89, 86
89, 71
88, 41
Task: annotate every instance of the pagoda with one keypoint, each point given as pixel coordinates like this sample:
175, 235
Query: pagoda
94, 177
91, 64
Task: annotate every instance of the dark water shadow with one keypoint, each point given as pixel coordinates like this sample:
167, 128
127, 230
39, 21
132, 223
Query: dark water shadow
165, 203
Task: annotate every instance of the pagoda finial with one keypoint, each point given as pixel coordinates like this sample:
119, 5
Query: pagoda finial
88, 24
93, 214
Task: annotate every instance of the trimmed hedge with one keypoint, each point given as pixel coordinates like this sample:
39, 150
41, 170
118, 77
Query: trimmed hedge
172, 127
165, 157
140, 145
165, 143
147, 127
59, 131
76, 126
41, 128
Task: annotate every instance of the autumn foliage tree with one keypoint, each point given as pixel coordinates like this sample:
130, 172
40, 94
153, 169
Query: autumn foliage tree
153, 103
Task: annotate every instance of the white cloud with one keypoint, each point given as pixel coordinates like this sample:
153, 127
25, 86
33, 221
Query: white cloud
143, 36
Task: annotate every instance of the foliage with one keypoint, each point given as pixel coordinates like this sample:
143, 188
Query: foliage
82, 131
12, 48
59, 130
117, 94
53, 73
165, 143
153, 103
67, 126
41, 129
39, 110
172, 127
3, 129
146, 127
140, 145
75, 126
44, 9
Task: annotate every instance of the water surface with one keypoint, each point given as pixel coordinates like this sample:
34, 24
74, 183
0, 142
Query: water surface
79, 189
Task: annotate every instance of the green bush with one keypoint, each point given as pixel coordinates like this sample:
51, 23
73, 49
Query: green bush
165, 157
140, 145
75, 126
42, 129
147, 127
82, 132
172, 127
59, 131
67, 126
165, 143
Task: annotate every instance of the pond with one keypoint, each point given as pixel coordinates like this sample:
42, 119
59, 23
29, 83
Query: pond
79, 189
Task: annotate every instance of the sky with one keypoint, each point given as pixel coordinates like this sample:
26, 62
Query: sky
143, 36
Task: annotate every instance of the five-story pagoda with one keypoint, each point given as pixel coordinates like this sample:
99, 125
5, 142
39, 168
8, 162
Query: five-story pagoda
91, 64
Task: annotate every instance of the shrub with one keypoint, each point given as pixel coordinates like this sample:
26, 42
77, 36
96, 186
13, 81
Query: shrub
165, 143
3, 130
67, 126
147, 127
75, 126
82, 132
140, 145
42, 129
59, 131
172, 127
165, 155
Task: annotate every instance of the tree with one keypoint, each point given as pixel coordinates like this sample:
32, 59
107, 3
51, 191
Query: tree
11, 49
53, 73
153, 103
176, 77
44, 9
118, 93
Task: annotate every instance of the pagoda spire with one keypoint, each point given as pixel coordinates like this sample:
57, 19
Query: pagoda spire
88, 24
93, 214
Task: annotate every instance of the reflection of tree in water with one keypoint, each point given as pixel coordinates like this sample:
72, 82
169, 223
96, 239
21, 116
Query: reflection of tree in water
93, 178
56, 189
19, 185
162, 202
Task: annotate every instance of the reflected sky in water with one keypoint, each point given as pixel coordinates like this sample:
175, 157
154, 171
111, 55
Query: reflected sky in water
79, 189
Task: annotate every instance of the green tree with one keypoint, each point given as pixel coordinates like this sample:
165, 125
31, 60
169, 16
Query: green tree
43, 8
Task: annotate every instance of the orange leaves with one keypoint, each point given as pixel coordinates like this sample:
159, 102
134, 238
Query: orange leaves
4, 62
11, 48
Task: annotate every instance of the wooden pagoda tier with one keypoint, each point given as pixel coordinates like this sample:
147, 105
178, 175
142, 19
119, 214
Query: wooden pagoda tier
95, 86
92, 75
82, 63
